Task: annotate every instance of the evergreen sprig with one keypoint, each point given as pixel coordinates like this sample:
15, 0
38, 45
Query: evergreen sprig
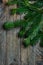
32, 25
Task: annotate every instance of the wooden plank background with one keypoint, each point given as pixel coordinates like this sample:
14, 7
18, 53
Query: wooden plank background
12, 51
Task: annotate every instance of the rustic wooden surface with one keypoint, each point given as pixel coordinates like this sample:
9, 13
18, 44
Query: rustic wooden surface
12, 51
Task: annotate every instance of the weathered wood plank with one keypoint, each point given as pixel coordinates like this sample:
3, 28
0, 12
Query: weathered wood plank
3, 47
12, 44
2, 40
14, 52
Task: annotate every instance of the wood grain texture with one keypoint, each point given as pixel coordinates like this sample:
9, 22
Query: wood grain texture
12, 51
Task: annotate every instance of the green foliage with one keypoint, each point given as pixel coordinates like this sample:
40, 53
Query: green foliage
9, 25
31, 24
11, 2
41, 43
18, 10
26, 28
